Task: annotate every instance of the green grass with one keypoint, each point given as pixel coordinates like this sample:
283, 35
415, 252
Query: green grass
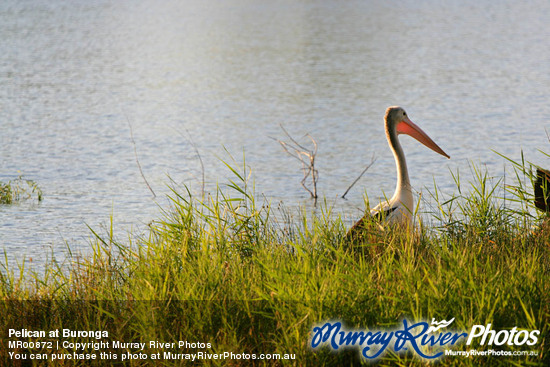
253, 277
19, 189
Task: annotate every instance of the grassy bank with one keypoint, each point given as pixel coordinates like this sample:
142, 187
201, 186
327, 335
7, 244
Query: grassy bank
251, 277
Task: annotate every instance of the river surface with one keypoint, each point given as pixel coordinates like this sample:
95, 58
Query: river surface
79, 78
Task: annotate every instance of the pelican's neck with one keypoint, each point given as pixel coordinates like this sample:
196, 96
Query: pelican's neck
403, 186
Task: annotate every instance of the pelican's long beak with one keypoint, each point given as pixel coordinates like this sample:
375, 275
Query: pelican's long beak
408, 127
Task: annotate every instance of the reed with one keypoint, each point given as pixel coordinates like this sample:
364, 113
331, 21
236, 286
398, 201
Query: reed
18, 190
251, 276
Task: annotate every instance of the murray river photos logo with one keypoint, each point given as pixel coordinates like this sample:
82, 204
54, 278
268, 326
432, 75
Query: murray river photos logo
429, 341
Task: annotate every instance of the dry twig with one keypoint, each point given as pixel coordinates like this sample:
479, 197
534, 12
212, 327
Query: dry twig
306, 157
372, 160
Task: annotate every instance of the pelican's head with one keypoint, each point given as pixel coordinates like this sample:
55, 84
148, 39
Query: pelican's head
397, 122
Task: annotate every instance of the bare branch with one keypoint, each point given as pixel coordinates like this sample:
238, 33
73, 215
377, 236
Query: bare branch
306, 157
292, 139
372, 160
285, 147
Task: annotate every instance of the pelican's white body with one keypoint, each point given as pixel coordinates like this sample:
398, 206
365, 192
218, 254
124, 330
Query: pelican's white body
403, 202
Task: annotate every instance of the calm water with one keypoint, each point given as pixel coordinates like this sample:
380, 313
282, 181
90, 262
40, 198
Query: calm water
473, 74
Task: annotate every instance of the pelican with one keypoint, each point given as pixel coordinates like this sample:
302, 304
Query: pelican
398, 209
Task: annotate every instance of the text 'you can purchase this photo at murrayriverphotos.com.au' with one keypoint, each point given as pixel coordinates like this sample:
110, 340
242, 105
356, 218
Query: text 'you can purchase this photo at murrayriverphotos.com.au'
57, 345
